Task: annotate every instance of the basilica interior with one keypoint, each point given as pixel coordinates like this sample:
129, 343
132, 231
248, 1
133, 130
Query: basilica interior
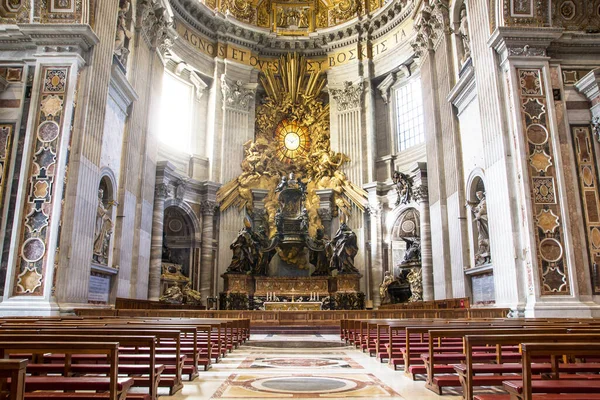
293, 163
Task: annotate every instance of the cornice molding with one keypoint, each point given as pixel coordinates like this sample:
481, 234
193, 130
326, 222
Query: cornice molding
519, 42
52, 39
589, 85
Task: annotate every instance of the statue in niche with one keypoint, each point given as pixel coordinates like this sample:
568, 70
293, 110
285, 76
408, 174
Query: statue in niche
404, 187
245, 253
479, 210
384, 295
103, 230
413, 250
344, 248
464, 34
318, 258
123, 35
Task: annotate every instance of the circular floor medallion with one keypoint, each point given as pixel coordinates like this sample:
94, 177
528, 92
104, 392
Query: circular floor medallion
33, 250
304, 384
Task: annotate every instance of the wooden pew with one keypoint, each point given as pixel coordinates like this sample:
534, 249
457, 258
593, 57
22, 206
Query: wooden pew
175, 360
568, 388
115, 387
468, 371
151, 369
15, 371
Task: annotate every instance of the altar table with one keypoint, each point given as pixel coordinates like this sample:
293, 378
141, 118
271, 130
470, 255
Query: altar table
292, 306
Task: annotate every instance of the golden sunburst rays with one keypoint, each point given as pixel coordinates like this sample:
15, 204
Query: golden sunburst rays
292, 79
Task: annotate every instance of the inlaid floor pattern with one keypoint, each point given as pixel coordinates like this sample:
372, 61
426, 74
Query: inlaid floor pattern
281, 366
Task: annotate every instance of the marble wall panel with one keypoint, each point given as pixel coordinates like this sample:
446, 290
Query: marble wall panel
470, 138
125, 258
112, 138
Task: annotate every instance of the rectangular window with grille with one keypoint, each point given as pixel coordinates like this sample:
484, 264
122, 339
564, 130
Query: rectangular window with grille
409, 115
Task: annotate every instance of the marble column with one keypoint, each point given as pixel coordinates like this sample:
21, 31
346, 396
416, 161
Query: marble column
374, 275
207, 260
421, 196
158, 215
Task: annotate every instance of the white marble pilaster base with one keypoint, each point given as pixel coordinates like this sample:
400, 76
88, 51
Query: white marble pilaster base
27, 306
562, 309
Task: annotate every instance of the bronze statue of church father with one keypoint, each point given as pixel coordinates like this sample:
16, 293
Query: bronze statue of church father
292, 270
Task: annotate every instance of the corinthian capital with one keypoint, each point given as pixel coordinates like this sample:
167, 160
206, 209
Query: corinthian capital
208, 207
235, 95
349, 97
161, 190
429, 25
156, 24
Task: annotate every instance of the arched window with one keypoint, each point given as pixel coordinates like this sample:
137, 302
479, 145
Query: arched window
176, 113
409, 114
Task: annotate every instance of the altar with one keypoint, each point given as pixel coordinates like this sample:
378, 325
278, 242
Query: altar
292, 306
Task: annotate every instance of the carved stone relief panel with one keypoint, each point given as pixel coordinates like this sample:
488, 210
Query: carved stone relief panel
585, 158
526, 12
552, 268
40, 192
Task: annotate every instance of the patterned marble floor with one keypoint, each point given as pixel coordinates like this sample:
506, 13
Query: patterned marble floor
305, 367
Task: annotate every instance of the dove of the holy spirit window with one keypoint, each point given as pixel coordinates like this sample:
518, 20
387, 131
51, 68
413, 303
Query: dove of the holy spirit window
293, 140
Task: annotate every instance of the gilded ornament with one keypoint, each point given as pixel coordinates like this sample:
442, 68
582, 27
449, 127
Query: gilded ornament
241, 9
293, 99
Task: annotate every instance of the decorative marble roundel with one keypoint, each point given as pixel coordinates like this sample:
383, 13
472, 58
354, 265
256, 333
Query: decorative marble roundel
33, 250
588, 176
175, 225
408, 226
48, 131
551, 250
537, 134
595, 237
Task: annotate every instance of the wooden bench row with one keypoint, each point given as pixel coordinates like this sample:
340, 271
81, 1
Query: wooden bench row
145, 353
472, 353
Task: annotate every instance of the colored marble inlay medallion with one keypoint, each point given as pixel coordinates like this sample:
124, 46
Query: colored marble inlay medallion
350, 386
